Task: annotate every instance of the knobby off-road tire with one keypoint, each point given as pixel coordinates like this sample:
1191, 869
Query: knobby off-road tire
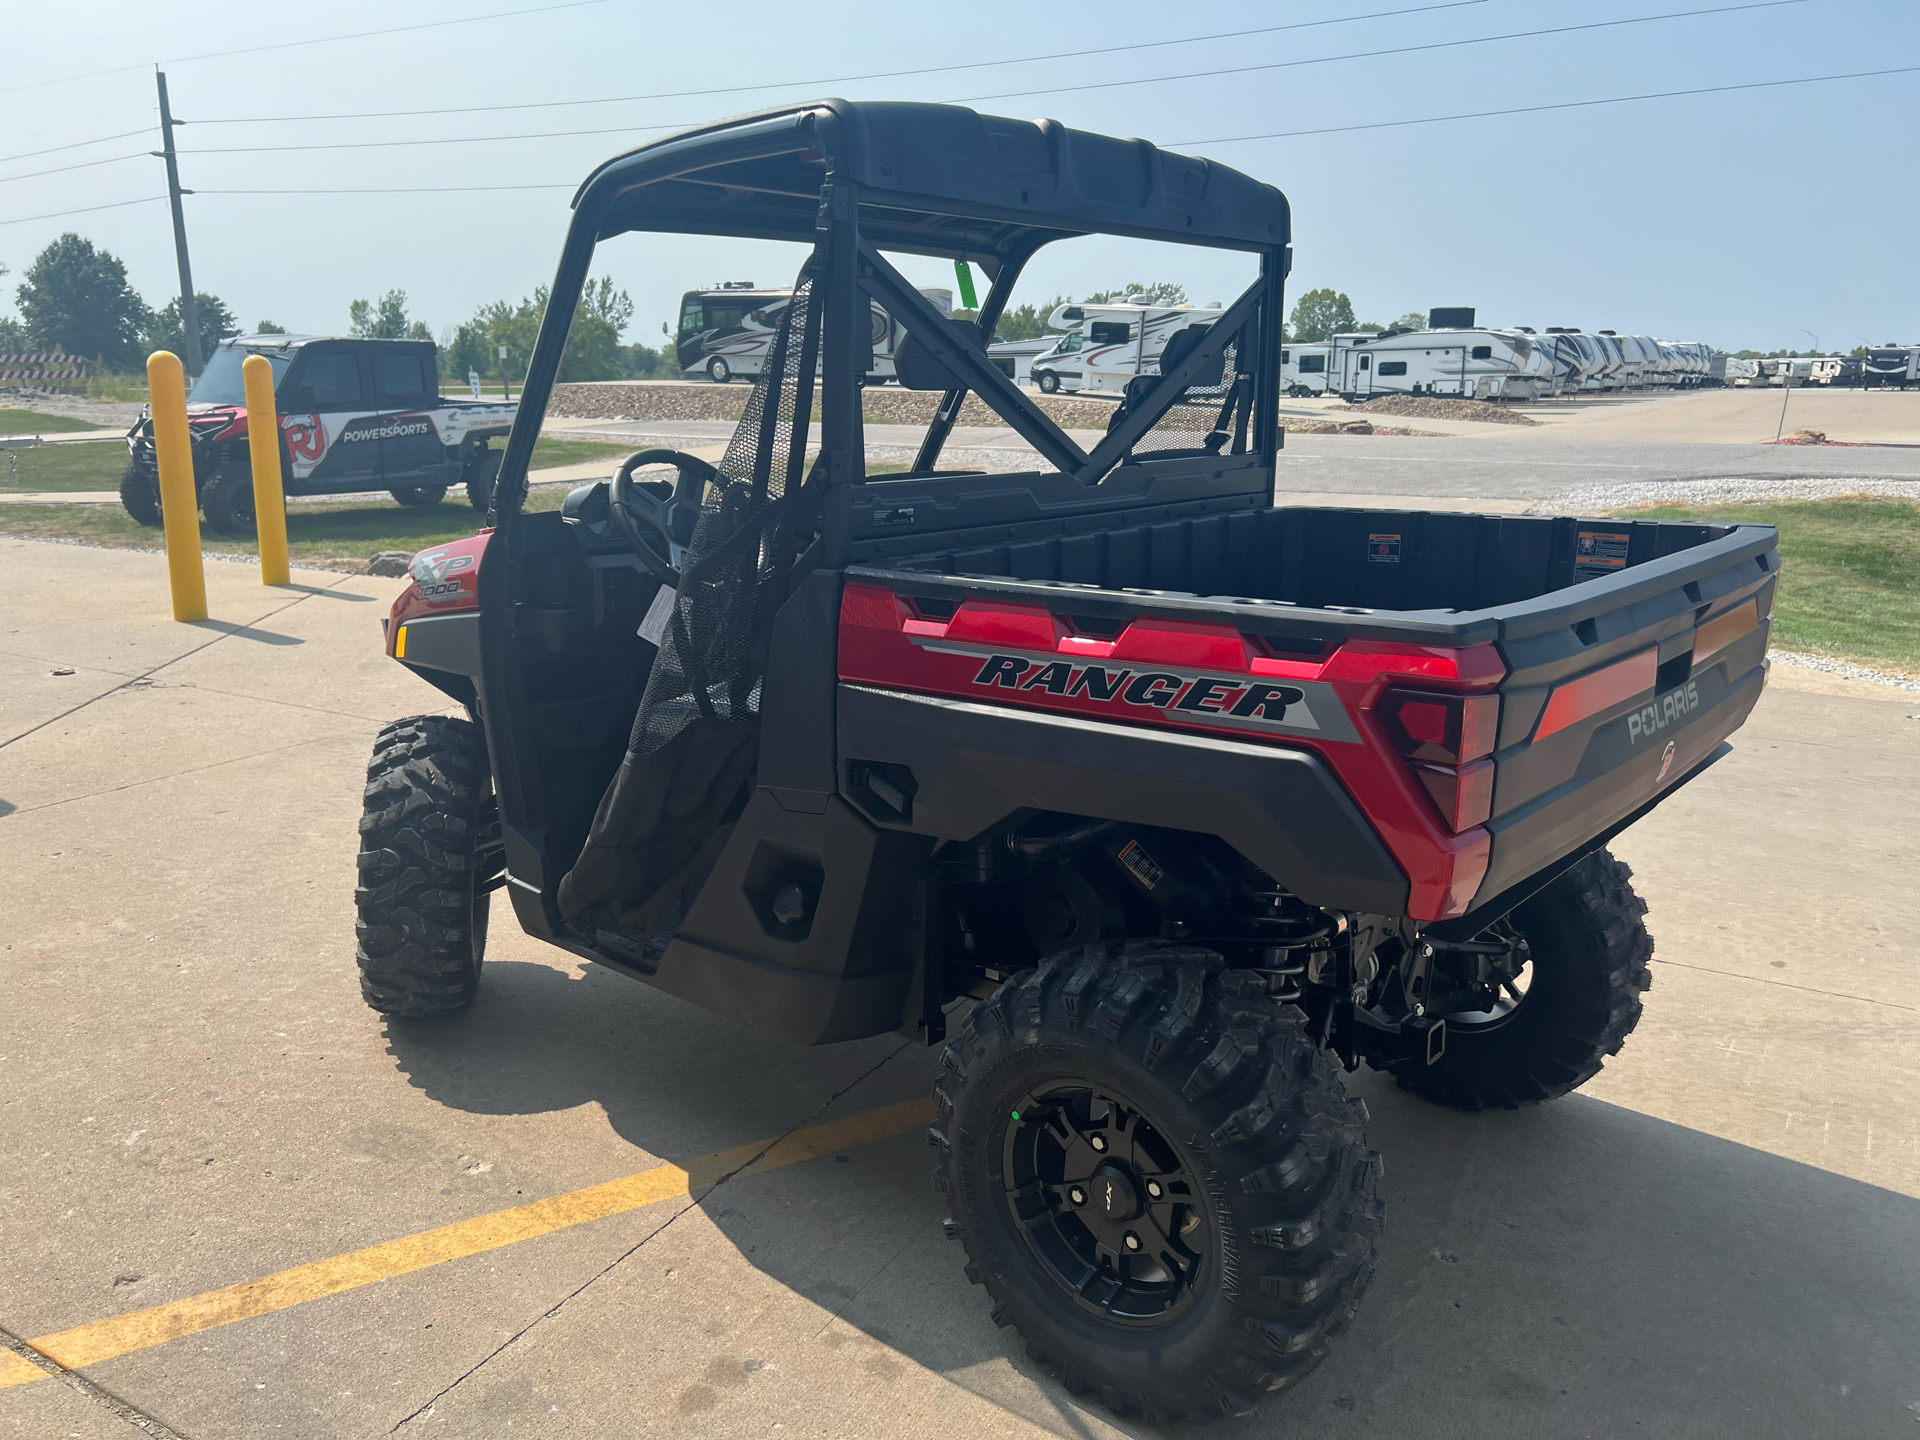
227, 500
1589, 952
429, 843
480, 472
418, 497
140, 494
1264, 1236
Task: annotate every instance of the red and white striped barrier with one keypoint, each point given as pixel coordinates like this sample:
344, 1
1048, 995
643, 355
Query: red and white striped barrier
42, 368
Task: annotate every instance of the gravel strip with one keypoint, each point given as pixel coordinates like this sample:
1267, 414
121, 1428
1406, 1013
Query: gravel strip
1438, 407
1827, 665
1726, 490
105, 414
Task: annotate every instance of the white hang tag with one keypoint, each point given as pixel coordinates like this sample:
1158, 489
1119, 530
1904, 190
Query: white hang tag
654, 626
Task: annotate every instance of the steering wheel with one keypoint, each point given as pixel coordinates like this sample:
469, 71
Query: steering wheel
657, 522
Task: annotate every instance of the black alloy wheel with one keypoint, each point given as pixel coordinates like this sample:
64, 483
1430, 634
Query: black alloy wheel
227, 499
140, 493
1107, 1204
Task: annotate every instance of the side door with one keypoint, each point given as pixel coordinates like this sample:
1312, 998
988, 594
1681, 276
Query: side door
327, 421
1359, 372
410, 448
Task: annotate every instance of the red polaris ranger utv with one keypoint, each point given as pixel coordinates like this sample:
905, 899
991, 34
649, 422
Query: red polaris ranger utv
1156, 802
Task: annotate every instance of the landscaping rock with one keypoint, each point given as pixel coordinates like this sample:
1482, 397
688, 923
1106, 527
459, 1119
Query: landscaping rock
390, 563
1439, 407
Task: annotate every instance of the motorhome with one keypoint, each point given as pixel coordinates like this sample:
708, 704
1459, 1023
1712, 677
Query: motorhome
1472, 364
1105, 346
726, 330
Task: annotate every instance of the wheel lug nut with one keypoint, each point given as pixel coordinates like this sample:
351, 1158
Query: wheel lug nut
1153, 1189
1077, 1195
1099, 1142
1132, 1241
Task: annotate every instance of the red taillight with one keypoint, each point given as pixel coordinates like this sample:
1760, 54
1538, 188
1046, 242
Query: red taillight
1465, 796
1447, 738
1444, 729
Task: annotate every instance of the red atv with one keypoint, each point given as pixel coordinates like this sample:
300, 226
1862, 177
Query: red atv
1157, 804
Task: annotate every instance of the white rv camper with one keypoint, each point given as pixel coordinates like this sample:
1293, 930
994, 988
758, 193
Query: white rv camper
1014, 358
1472, 364
726, 331
1742, 373
1894, 365
1107, 345
1304, 369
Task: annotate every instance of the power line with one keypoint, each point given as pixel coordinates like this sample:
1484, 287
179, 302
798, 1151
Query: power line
320, 40
839, 79
1562, 105
404, 190
84, 210
1374, 54
75, 145
1071, 89
83, 165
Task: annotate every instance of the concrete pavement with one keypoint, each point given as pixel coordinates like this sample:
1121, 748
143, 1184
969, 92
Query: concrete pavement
1719, 1236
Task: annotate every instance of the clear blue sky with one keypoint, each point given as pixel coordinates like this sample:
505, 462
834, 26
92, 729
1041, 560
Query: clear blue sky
1753, 219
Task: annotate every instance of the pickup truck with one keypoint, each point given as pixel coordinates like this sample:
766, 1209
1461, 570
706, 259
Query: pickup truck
1154, 801
355, 415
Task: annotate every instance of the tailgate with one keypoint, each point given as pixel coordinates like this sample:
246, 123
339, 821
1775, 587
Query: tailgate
1620, 687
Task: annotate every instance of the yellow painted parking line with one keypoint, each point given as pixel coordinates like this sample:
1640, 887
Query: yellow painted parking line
141, 1329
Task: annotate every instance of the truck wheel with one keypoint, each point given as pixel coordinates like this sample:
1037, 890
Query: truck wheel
227, 500
140, 494
1574, 1004
481, 470
1048, 382
420, 496
1158, 1177
429, 852
719, 371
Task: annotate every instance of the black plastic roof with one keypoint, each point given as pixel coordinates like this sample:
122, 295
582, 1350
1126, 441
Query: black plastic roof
936, 179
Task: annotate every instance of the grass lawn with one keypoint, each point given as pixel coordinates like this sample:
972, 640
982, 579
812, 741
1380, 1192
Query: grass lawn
1849, 574
31, 422
82, 465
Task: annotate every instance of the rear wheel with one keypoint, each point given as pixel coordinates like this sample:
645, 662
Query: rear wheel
479, 473
1158, 1177
227, 500
140, 494
1570, 1005
420, 496
430, 858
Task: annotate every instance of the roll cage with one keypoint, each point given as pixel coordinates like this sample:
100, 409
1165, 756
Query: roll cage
851, 179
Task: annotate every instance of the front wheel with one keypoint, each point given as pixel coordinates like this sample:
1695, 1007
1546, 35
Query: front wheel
719, 371
480, 472
418, 497
1570, 1001
1048, 382
227, 500
1158, 1177
430, 858
140, 494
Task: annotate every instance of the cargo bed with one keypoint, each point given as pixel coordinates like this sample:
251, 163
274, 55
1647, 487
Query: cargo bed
1621, 652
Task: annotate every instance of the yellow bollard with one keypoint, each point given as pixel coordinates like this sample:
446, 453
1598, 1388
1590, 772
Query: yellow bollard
263, 444
179, 502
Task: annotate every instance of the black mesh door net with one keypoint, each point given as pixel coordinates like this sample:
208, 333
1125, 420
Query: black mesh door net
659, 825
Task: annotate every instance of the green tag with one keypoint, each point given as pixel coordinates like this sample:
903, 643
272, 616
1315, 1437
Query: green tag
963, 272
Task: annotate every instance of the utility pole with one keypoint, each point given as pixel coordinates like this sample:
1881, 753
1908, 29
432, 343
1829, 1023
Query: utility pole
189, 311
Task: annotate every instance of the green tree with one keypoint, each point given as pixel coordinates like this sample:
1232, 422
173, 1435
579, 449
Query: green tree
267, 327
77, 298
1412, 320
1026, 322
1320, 315
1160, 292
13, 336
593, 350
385, 319
165, 332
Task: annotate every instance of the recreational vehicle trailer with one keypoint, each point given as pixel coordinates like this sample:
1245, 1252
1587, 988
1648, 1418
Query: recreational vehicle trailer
1472, 364
725, 331
1742, 373
1014, 358
1892, 365
1107, 345
1303, 369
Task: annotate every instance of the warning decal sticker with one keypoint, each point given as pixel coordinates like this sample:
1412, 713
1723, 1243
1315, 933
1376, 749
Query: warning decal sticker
1600, 552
